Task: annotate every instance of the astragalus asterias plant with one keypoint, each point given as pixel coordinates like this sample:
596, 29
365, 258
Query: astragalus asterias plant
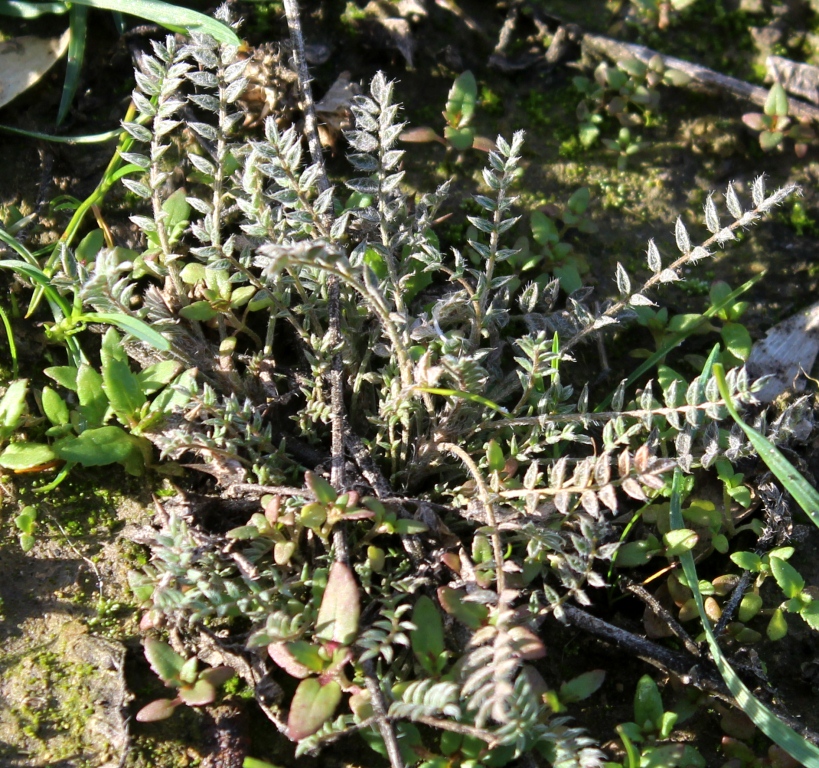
301, 319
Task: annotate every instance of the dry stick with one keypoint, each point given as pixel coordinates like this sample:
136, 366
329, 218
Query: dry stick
380, 712
336, 374
291, 9
699, 74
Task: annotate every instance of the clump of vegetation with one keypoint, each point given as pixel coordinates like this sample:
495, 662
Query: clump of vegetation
419, 485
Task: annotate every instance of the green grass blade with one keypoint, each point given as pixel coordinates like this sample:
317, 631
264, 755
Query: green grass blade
92, 138
78, 24
19, 9
15, 371
805, 495
170, 16
796, 746
457, 393
133, 325
38, 277
678, 338
24, 253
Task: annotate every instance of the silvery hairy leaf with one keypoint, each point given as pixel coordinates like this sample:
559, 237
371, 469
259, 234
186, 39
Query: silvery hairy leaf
653, 257
732, 201
623, 281
711, 215
681, 236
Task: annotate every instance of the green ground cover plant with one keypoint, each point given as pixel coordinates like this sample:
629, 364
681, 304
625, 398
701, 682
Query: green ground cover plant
423, 485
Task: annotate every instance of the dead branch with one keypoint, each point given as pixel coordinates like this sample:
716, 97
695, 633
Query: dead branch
702, 76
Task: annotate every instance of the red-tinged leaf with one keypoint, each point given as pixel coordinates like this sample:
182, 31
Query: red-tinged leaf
199, 694
338, 615
280, 653
633, 489
164, 660
313, 705
157, 710
756, 121
322, 490
769, 140
483, 144
527, 644
422, 134
217, 676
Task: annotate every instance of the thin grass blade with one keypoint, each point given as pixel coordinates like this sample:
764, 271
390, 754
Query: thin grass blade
805, 495
78, 24
796, 746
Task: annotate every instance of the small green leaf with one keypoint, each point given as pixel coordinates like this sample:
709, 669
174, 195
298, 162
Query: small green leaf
407, 527
579, 201
810, 613
12, 407
459, 138
200, 693
93, 400
427, 638
164, 660
313, 705
338, 615
20, 456
648, 704
200, 311
158, 375
322, 490
636, 553
737, 340
582, 686
96, 447
54, 407
307, 655
242, 296
188, 672
777, 626
748, 561
123, 389
776, 105
65, 375
90, 246
494, 457
769, 140
788, 578
679, 541
460, 104
544, 229
749, 607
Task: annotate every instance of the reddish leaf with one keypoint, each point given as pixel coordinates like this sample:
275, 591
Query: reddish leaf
217, 676
339, 611
199, 694
280, 653
157, 710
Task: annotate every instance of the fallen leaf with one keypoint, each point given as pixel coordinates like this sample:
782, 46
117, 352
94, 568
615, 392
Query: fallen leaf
24, 60
789, 349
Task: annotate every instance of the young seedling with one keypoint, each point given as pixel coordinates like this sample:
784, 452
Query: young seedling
774, 125
458, 114
194, 688
319, 664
